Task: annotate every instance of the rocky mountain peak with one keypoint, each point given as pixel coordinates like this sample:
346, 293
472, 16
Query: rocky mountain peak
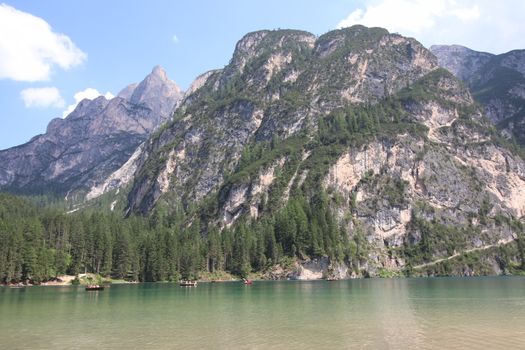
373, 63
157, 92
93, 141
159, 72
273, 46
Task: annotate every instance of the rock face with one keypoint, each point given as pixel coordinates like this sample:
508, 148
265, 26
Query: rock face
496, 81
406, 159
97, 138
463, 62
277, 84
157, 93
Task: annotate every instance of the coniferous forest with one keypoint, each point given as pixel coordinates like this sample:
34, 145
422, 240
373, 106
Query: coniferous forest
37, 244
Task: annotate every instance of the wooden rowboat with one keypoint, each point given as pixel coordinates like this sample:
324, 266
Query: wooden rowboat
94, 287
188, 283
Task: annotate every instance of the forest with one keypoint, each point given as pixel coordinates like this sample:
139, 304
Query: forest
38, 244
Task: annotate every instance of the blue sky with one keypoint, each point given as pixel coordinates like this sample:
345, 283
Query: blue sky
105, 45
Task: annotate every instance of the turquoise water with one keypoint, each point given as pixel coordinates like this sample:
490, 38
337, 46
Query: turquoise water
437, 313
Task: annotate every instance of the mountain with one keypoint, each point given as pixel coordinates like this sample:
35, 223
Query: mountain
158, 93
353, 146
496, 81
277, 84
351, 154
97, 138
461, 61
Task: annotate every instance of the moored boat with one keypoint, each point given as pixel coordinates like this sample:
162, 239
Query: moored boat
94, 287
245, 281
188, 283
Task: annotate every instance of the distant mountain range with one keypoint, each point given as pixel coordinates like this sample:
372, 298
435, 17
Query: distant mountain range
496, 81
97, 138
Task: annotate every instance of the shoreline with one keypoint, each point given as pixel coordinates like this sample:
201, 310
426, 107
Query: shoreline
121, 282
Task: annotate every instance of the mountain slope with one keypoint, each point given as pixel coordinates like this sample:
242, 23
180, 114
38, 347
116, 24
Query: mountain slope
352, 146
496, 81
461, 61
277, 85
94, 140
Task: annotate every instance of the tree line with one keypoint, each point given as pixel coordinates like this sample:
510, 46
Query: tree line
38, 244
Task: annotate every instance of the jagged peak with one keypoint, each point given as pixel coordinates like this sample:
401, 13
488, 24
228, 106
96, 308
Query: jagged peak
154, 86
159, 72
157, 78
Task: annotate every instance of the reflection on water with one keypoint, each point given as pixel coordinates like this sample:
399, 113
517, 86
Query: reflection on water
451, 313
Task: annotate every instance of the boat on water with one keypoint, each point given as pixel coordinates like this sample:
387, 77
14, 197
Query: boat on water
245, 281
94, 287
188, 283
330, 279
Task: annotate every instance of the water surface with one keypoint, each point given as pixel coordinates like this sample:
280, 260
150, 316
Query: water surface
436, 313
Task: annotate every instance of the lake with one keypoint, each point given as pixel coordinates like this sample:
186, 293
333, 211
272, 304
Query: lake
433, 313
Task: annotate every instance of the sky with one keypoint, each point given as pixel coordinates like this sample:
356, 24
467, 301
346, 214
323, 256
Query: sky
55, 53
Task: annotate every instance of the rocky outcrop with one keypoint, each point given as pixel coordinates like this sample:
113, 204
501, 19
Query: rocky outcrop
78, 153
314, 269
119, 178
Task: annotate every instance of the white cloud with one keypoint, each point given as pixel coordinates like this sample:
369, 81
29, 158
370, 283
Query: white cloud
409, 15
29, 49
89, 94
486, 25
42, 97
175, 39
